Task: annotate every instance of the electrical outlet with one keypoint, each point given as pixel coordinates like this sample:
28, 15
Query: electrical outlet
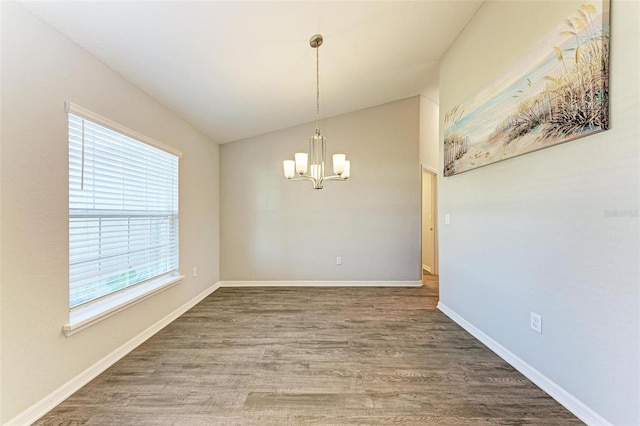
447, 219
338, 260
536, 322
195, 271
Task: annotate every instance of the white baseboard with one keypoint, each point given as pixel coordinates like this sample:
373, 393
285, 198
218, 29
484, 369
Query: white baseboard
570, 402
49, 402
320, 283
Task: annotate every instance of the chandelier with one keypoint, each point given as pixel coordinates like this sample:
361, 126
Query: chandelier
310, 166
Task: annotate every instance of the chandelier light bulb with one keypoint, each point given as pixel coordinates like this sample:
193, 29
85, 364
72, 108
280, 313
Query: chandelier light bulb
301, 162
338, 163
289, 168
347, 169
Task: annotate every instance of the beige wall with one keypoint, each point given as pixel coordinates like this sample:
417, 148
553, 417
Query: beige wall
274, 229
429, 134
532, 233
40, 70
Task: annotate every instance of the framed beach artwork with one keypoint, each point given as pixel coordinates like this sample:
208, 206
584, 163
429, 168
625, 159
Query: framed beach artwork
559, 91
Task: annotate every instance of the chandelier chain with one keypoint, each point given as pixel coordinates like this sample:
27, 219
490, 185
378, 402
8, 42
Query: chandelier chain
318, 90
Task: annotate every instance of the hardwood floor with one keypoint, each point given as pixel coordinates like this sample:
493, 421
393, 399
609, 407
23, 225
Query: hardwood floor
290, 356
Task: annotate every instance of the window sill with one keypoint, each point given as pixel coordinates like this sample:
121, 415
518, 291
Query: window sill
86, 316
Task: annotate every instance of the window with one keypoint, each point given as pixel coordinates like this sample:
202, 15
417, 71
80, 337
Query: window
123, 208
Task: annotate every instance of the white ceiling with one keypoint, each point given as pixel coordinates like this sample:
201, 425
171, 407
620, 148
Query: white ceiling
236, 69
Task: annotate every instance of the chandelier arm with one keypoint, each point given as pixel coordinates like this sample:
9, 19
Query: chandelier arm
304, 177
334, 177
317, 183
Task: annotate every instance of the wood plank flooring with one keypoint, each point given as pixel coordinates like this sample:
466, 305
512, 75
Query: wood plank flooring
292, 356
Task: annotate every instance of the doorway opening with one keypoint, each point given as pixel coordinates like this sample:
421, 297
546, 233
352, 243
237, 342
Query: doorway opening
429, 227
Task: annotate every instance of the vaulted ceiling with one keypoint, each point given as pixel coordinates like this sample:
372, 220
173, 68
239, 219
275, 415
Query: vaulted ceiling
235, 69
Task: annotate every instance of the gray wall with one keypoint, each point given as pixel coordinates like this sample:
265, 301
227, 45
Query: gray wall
535, 233
40, 70
274, 229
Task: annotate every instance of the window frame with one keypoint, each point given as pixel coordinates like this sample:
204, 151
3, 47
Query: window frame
91, 312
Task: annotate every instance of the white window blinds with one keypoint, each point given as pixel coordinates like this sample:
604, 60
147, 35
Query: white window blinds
123, 211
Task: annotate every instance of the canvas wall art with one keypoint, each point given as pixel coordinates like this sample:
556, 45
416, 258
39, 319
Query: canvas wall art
559, 91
